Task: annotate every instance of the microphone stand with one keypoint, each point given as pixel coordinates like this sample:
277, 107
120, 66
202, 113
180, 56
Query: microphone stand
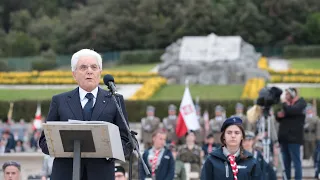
131, 135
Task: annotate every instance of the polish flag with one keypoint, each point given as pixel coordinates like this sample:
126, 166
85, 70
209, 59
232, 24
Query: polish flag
187, 119
37, 123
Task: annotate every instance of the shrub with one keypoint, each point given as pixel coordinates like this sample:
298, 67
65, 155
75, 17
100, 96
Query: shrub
140, 56
301, 51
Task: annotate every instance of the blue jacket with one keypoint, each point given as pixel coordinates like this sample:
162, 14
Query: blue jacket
217, 167
267, 171
165, 170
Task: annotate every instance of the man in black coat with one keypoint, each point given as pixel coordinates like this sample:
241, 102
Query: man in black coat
291, 121
87, 102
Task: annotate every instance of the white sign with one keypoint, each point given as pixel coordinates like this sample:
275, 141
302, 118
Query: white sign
210, 48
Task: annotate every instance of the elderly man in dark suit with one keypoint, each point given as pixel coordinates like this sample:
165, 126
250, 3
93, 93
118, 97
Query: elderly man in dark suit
87, 102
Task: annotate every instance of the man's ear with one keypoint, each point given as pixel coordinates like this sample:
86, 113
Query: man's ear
74, 75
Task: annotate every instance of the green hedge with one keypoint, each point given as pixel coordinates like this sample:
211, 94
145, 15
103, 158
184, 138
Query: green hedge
43, 65
136, 109
140, 56
301, 51
4, 66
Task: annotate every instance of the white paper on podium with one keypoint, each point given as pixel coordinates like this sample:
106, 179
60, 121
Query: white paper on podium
106, 137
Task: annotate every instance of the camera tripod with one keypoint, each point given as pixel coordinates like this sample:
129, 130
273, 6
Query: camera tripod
268, 135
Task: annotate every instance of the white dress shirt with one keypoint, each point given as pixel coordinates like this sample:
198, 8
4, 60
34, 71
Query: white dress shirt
83, 93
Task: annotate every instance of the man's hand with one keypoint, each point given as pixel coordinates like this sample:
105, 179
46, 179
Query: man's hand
280, 114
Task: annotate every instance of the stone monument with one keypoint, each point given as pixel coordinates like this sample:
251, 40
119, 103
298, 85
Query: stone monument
210, 59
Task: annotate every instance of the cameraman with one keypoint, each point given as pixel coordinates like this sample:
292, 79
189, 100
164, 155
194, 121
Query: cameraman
291, 122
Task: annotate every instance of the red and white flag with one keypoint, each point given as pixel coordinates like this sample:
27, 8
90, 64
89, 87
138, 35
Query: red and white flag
187, 119
37, 123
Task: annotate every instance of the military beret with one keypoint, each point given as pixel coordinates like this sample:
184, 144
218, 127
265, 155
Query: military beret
150, 108
219, 108
119, 169
239, 106
172, 107
249, 135
231, 121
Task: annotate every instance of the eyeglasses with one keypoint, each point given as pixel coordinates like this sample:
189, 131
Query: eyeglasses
94, 67
11, 163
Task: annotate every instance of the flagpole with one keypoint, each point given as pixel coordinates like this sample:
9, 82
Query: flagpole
187, 83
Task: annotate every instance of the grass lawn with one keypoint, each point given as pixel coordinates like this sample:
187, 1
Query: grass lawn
215, 92
309, 92
29, 94
133, 67
305, 63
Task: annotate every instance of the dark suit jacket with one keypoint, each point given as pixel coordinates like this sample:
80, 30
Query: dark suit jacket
165, 170
67, 106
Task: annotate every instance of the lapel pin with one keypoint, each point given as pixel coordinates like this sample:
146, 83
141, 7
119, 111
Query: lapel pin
104, 101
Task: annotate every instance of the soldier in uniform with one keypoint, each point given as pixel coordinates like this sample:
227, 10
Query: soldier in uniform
309, 133
149, 125
191, 153
169, 124
179, 171
246, 124
216, 123
200, 134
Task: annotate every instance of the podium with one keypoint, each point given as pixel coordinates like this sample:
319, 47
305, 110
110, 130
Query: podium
83, 139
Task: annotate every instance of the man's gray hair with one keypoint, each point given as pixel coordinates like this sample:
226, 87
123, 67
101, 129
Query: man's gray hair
85, 52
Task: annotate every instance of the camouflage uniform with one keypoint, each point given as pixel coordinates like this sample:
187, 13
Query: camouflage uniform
216, 123
149, 125
310, 128
192, 156
180, 171
169, 124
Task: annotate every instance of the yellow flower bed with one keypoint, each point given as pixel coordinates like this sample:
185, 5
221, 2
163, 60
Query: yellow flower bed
295, 79
252, 88
149, 88
19, 74
263, 63
59, 74
65, 77
68, 80
305, 72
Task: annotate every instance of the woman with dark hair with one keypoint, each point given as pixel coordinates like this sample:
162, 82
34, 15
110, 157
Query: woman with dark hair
231, 161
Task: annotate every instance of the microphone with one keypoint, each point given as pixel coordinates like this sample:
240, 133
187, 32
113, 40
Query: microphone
109, 82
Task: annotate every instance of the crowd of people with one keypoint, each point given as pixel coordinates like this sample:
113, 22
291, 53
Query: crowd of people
297, 127
18, 137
